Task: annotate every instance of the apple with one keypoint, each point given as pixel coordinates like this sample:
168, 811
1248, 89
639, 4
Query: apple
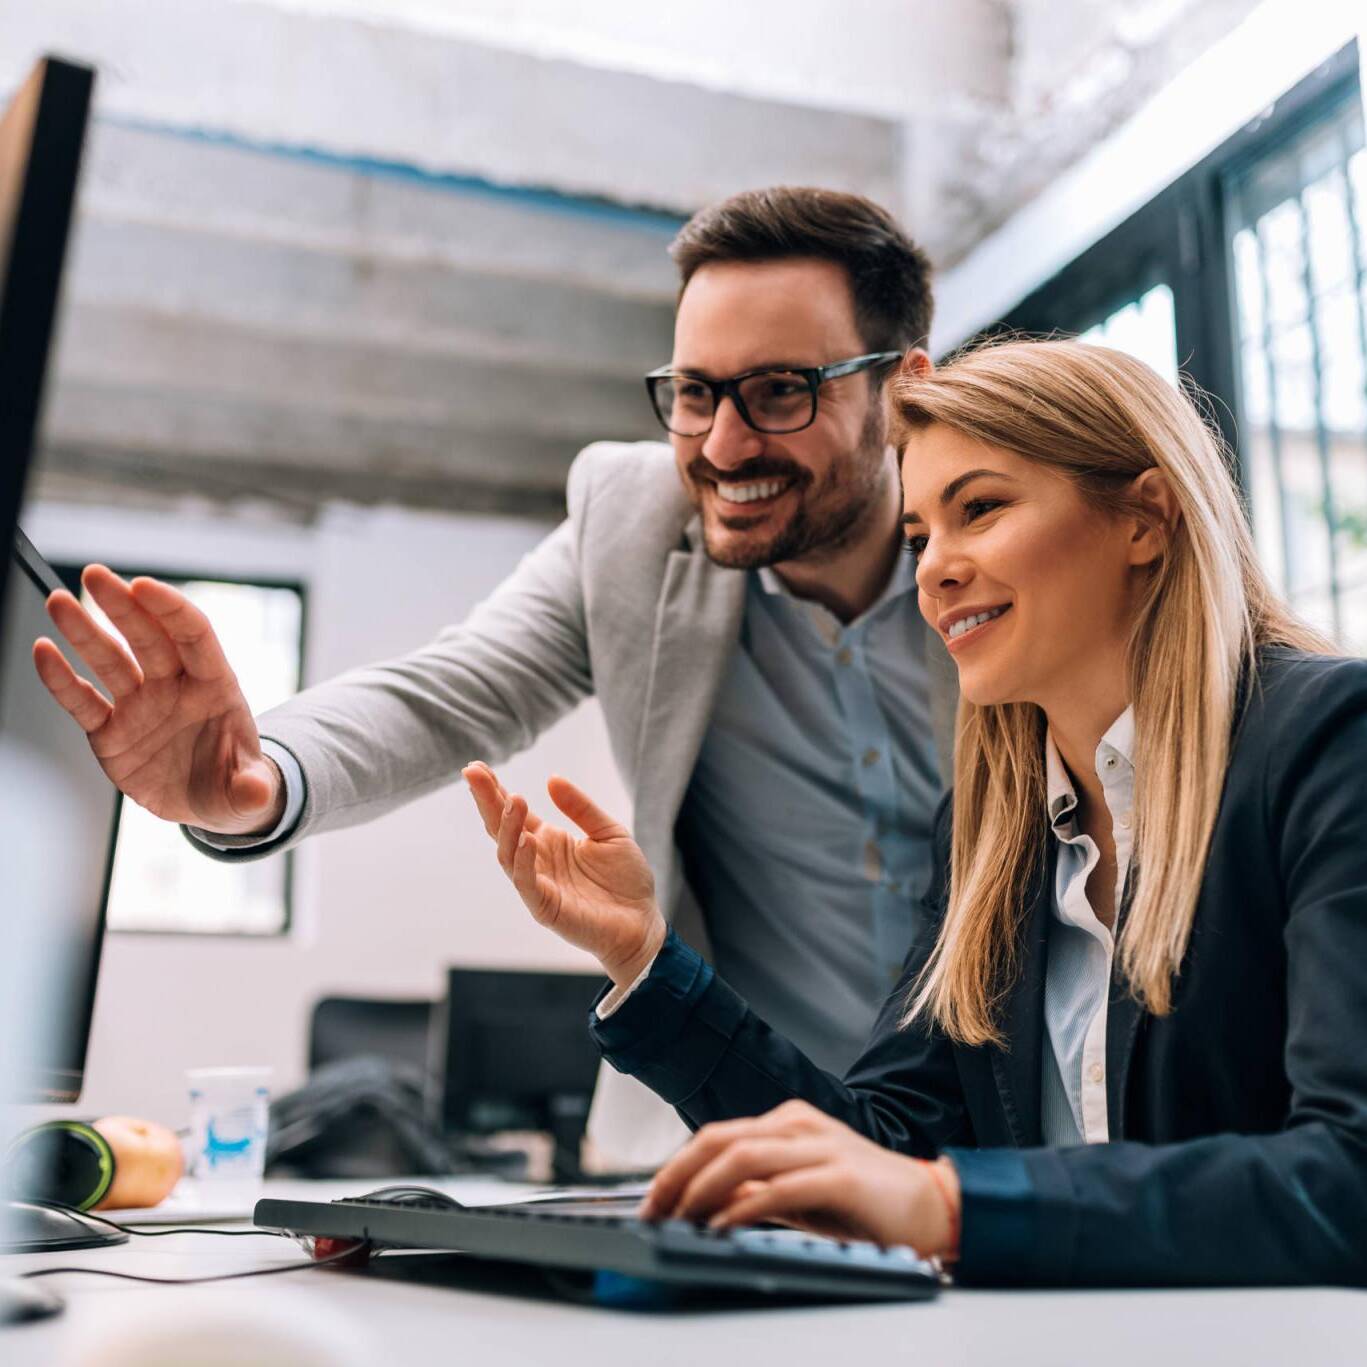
147, 1162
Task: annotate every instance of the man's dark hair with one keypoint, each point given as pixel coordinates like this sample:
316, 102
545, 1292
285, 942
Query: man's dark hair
889, 274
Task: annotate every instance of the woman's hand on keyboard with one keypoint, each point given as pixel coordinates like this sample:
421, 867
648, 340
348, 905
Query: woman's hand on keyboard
175, 733
799, 1166
596, 892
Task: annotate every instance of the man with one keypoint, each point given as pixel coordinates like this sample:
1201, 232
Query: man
740, 609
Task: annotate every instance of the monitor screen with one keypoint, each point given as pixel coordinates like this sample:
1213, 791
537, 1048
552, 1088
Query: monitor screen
41, 135
59, 815
57, 809
516, 1043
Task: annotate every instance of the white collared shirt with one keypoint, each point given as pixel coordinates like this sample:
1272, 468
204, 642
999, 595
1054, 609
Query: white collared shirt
1080, 948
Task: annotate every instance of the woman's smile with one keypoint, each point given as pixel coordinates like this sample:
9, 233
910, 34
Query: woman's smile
963, 625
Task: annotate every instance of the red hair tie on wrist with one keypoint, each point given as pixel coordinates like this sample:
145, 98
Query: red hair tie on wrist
932, 1167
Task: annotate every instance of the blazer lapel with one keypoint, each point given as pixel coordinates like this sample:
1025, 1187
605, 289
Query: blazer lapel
1016, 1067
697, 622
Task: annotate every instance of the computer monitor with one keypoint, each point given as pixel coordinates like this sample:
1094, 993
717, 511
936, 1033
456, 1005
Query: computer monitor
41, 136
57, 811
519, 1056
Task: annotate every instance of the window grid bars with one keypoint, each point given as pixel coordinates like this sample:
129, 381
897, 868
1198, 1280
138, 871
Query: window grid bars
1321, 431
1264, 337
1274, 427
1356, 237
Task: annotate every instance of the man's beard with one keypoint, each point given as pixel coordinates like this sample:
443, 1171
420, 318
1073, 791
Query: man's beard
829, 516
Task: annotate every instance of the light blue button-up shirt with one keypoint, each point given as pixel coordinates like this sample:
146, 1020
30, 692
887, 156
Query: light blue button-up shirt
805, 830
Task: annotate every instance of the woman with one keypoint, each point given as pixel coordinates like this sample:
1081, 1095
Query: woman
1128, 1047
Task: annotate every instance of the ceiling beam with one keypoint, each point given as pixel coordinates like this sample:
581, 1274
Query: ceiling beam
368, 89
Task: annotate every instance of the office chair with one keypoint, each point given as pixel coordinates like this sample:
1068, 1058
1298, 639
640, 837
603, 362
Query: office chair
347, 1027
364, 1111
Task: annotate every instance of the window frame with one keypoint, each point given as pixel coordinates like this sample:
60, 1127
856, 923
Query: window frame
70, 575
1179, 237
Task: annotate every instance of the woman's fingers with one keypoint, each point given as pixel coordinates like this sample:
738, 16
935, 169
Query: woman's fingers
669, 1183
510, 831
510, 825
111, 663
583, 811
491, 796
81, 699
793, 1119
538, 893
815, 1196
151, 646
746, 1160
486, 791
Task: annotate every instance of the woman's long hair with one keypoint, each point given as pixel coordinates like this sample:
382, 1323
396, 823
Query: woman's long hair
1100, 418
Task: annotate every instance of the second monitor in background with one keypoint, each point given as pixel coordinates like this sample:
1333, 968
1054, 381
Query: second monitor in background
519, 1056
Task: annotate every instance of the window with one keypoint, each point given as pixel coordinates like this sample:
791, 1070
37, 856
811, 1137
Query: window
1297, 223
1144, 328
160, 883
1247, 276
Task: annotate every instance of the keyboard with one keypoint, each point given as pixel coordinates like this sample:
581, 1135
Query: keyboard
593, 1237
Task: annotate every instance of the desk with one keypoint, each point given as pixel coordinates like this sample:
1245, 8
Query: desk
372, 1318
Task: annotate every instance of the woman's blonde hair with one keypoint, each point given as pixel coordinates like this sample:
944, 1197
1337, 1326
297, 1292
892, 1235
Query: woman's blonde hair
1100, 418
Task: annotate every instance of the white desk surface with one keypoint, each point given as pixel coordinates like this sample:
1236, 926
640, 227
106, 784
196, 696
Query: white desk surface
360, 1320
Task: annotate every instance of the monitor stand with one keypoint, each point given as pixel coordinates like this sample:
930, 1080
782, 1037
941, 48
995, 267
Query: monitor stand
569, 1116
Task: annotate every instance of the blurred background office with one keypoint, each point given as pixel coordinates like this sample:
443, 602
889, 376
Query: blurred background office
353, 280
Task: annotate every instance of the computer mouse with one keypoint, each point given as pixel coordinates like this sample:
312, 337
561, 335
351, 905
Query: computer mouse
417, 1197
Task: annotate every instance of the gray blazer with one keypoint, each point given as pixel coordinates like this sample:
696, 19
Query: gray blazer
619, 601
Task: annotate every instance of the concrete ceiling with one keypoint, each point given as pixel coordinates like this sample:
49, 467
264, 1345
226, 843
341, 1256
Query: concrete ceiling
414, 250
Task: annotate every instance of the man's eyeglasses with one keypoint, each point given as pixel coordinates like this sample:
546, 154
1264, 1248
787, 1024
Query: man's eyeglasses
772, 401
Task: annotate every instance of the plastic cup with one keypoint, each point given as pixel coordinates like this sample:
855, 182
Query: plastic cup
229, 1112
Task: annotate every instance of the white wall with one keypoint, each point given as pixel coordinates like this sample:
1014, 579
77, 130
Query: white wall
379, 910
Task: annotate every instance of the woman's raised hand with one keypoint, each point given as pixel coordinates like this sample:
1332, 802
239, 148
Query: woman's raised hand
596, 892
175, 733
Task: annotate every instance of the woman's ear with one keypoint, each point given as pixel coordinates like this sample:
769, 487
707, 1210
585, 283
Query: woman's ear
1153, 528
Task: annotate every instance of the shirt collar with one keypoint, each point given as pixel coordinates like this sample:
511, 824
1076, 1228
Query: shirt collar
901, 580
1060, 794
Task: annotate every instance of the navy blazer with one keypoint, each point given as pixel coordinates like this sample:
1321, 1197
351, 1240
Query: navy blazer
1238, 1121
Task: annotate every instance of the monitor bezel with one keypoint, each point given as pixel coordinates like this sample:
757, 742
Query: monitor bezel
33, 246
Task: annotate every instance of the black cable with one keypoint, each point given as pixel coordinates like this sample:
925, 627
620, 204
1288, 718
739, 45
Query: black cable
195, 1281
76, 1215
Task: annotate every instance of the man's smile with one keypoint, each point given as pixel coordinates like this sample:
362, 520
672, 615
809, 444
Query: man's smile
758, 491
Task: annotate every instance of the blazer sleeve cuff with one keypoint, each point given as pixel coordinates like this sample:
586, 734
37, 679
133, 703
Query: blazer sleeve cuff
673, 1029
296, 789
1018, 1217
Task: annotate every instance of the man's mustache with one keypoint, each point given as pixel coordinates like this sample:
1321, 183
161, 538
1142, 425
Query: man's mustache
762, 467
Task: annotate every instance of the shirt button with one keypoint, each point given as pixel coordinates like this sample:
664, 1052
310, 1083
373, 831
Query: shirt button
844, 656
1125, 821
1096, 1072
873, 862
1110, 761
870, 756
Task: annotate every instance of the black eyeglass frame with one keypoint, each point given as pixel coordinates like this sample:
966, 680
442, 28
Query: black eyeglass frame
815, 377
